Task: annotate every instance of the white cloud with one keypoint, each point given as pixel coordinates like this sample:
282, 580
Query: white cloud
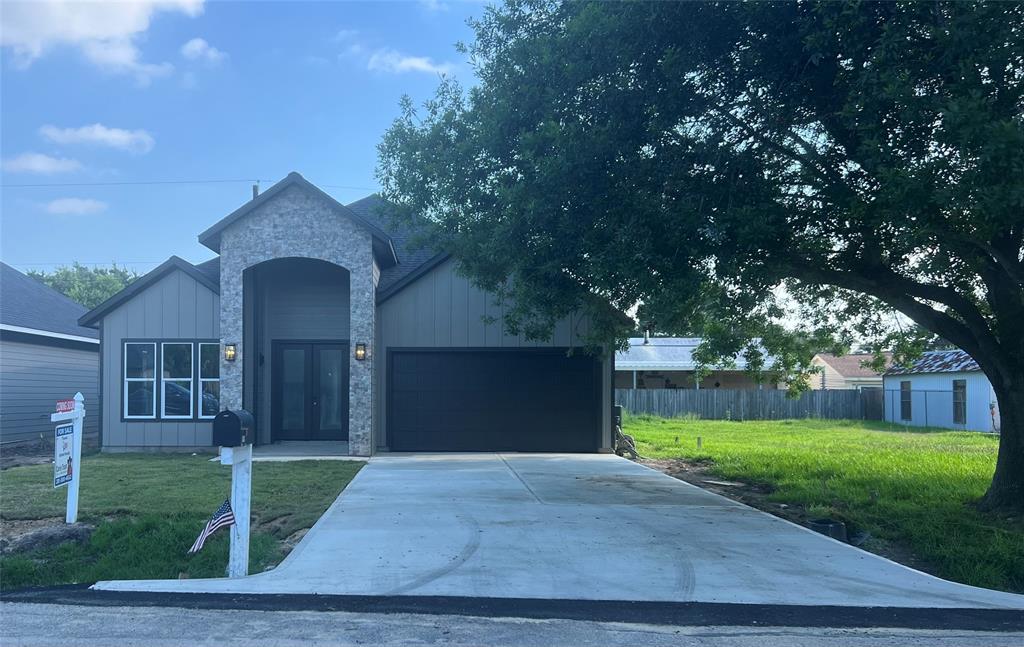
433, 5
135, 141
389, 60
76, 206
105, 32
39, 163
198, 49
345, 34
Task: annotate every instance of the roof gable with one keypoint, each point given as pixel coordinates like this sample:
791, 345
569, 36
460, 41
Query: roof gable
383, 247
30, 304
174, 263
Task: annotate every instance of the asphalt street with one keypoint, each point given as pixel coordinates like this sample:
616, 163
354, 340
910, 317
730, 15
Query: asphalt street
52, 624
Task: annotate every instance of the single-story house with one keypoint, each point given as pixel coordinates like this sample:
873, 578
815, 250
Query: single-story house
943, 388
324, 322
45, 356
667, 363
846, 371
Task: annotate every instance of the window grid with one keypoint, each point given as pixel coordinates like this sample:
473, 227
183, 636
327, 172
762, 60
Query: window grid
906, 409
959, 402
158, 380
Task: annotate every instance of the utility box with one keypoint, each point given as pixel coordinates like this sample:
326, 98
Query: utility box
233, 428
617, 416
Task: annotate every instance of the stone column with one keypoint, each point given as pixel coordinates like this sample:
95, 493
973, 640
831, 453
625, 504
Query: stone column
231, 316
362, 306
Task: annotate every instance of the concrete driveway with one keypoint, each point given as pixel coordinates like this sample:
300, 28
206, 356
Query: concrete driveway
589, 527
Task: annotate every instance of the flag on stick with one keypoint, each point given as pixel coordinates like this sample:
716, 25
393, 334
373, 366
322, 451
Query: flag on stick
221, 518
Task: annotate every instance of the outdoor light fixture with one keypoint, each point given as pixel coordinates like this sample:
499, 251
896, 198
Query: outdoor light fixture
229, 352
360, 351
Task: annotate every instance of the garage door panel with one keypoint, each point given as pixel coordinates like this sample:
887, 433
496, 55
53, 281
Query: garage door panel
491, 400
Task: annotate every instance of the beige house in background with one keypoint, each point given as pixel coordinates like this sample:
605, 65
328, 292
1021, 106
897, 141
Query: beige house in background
846, 371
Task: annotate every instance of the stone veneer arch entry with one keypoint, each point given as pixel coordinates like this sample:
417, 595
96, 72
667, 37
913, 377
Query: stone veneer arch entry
298, 224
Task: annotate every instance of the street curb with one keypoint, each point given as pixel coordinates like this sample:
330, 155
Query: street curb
658, 613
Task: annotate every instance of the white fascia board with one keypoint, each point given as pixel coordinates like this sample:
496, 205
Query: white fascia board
47, 333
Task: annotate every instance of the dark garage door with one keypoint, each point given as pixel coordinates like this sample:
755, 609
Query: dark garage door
493, 400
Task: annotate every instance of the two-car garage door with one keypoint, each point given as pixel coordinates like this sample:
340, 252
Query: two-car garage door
535, 400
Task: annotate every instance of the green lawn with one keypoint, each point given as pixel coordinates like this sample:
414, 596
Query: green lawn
148, 510
913, 491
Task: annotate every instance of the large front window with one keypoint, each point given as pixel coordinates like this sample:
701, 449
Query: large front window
140, 380
170, 379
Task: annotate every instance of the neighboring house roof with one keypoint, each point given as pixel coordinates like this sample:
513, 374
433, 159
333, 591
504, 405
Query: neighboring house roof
30, 306
382, 244
938, 361
663, 354
93, 317
850, 365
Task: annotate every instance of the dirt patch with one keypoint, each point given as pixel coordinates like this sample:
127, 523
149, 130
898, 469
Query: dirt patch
37, 452
755, 495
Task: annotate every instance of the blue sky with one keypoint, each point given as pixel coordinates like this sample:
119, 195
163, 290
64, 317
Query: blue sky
173, 90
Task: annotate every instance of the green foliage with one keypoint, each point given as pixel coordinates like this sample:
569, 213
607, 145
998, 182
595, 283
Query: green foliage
148, 510
89, 286
910, 489
692, 158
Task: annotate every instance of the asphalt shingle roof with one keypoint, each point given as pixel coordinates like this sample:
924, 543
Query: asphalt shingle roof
938, 361
410, 256
28, 303
850, 365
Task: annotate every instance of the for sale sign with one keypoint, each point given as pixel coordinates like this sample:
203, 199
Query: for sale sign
63, 406
63, 446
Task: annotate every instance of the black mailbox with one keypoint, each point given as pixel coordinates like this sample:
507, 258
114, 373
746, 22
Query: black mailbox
233, 428
617, 416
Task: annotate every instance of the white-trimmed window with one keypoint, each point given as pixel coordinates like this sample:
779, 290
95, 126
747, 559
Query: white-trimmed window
176, 378
209, 380
139, 393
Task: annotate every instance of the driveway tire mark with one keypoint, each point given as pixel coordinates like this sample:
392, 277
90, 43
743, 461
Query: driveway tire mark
471, 546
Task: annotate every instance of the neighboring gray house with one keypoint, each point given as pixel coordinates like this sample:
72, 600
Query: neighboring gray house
667, 363
45, 356
943, 388
326, 324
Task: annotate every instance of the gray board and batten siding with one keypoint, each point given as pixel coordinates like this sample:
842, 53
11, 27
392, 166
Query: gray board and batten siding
174, 307
442, 309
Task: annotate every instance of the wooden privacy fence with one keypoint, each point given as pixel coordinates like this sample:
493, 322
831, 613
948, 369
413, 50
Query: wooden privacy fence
737, 404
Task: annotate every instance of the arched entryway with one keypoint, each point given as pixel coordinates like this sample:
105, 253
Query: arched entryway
297, 315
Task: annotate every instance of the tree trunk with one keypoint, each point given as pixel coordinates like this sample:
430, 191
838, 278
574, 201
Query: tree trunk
1007, 488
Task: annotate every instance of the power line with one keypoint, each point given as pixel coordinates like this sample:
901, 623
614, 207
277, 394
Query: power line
159, 182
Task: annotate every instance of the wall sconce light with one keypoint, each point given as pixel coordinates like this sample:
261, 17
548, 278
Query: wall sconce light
230, 350
360, 351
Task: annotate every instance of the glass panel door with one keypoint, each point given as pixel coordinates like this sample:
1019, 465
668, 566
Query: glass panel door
330, 400
292, 368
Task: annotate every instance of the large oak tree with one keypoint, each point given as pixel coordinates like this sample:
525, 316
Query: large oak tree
694, 157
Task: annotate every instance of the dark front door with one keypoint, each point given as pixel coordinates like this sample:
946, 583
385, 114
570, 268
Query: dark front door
530, 400
310, 383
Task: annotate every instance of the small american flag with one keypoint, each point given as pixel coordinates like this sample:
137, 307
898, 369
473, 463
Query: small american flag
221, 518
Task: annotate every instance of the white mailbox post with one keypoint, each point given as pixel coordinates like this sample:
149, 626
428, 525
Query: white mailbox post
240, 460
67, 450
